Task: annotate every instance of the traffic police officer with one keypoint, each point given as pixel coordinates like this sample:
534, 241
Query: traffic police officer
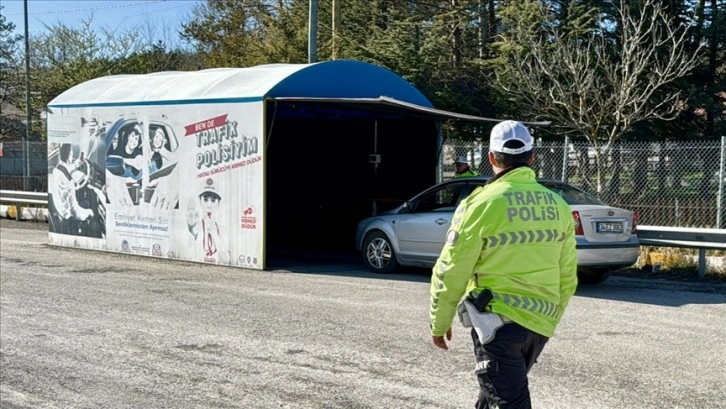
462, 168
512, 239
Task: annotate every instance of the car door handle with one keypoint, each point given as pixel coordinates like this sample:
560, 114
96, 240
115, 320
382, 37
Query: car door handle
441, 221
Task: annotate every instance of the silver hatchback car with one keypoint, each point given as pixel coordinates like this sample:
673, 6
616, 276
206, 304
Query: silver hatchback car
413, 233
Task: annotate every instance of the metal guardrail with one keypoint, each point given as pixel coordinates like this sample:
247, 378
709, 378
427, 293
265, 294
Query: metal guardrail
660, 236
685, 237
19, 198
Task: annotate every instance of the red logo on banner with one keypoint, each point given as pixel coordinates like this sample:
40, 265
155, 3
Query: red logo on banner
206, 124
248, 221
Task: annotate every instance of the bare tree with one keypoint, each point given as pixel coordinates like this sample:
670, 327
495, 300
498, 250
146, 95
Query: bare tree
595, 84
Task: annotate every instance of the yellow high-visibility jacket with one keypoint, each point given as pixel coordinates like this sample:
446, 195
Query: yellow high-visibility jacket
466, 174
516, 238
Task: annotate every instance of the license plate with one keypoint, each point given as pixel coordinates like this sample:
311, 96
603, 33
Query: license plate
608, 227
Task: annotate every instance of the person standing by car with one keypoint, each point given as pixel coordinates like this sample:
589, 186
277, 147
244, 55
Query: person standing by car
462, 168
511, 251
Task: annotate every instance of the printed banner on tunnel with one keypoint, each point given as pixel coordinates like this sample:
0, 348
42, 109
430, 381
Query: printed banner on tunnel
170, 181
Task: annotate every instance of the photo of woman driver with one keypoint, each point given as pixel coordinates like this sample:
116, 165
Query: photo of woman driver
162, 192
129, 148
122, 182
160, 155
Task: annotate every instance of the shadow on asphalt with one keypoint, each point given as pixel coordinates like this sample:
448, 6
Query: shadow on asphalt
616, 288
342, 263
657, 292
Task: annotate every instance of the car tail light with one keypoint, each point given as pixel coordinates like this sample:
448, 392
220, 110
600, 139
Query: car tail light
634, 230
578, 223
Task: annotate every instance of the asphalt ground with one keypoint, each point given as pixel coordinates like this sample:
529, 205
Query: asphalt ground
84, 329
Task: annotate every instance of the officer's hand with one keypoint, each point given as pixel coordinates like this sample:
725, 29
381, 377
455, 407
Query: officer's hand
192, 214
440, 342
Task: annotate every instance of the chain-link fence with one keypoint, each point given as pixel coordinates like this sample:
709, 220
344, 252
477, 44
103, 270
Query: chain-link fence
667, 183
18, 172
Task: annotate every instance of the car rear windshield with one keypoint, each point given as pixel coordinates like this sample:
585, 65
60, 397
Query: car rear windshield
572, 195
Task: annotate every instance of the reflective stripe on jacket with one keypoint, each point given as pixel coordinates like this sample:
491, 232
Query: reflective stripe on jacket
515, 237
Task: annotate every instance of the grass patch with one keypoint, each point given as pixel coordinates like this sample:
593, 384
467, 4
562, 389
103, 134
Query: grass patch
680, 263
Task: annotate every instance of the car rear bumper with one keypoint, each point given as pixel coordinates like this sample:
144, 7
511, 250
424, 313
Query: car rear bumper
607, 255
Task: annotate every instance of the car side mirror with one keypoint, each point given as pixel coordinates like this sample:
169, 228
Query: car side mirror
115, 164
406, 207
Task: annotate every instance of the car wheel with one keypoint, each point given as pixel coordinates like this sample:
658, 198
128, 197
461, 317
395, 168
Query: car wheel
593, 276
378, 254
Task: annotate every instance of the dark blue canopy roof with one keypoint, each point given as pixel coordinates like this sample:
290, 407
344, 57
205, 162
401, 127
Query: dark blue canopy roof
347, 79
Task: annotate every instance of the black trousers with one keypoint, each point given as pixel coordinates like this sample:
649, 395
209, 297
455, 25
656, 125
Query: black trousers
503, 364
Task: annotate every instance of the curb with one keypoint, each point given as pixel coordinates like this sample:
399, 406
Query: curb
26, 213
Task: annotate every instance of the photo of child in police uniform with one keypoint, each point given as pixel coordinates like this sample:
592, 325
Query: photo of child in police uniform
207, 232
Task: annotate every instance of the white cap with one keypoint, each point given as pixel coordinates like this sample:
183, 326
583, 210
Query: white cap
461, 159
510, 131
209, 189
